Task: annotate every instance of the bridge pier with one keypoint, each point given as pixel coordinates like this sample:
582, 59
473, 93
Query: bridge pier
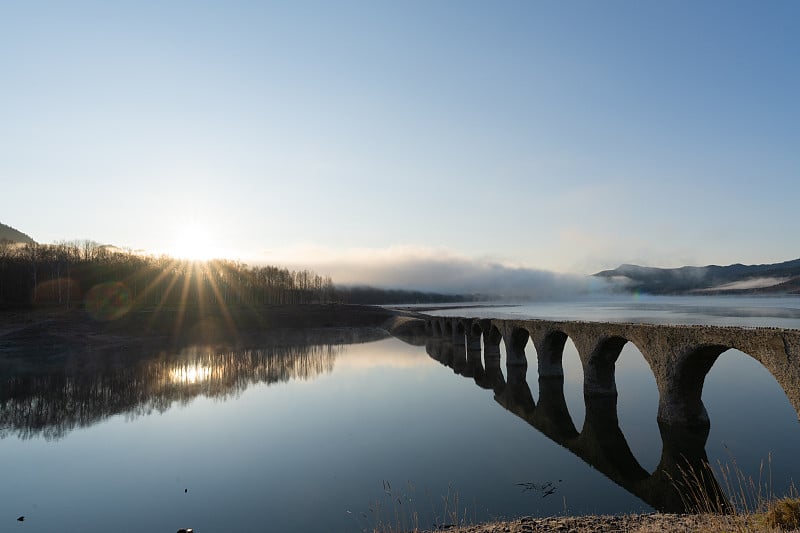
679, 409
473, 336
599, 365
491, 345
515, 339
493, 377
680, 375
459, 333
549, 347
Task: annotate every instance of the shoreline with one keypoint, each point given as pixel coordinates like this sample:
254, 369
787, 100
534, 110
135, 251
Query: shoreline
630, 523
47, 332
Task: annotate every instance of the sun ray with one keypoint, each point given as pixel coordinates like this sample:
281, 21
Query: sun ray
237, 288
169, 269
223, 307
142, 298
198, 273
182, 303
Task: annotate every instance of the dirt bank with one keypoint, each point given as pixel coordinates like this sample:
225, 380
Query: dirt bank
56, 331
642, 523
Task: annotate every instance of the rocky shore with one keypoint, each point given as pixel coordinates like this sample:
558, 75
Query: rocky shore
637, 523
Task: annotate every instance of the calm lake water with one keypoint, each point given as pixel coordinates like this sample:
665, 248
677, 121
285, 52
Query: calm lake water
324, 435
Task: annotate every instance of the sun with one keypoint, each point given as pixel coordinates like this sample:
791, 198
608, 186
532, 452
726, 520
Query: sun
193, 242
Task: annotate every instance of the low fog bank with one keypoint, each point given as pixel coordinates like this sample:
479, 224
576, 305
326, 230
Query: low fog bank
428, 271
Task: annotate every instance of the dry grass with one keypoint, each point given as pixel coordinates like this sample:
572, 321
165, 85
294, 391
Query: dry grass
398, 511
783, 514
718, 500
745, 504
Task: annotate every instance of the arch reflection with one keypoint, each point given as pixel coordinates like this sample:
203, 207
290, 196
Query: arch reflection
600, 442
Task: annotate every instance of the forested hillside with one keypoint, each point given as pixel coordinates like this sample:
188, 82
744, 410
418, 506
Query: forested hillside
9, 234
68, 274
772, 278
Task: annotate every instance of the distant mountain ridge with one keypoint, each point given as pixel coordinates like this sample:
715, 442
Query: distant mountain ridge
7, 233
773, 278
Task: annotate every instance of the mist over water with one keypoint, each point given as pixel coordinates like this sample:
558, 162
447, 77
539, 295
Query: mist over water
441, 271
746, 311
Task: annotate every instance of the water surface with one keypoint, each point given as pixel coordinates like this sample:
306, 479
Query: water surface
750, 311
327, 435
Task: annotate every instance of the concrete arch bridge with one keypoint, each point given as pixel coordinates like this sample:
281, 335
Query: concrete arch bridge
679, 357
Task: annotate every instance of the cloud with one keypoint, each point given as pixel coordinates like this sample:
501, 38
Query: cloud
429, 269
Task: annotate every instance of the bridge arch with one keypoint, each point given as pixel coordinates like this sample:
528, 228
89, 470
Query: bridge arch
751, 414
682, 398
637, 404
612, 359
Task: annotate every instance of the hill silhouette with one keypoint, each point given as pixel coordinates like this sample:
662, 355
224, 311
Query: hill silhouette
7, 233
773, 278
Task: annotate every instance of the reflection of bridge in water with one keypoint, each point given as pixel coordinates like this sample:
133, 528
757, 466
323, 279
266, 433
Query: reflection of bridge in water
679, 357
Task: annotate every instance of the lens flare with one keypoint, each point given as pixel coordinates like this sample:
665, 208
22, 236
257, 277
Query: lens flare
108, 301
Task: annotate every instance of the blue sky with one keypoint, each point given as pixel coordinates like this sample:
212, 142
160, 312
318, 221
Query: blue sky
564, 136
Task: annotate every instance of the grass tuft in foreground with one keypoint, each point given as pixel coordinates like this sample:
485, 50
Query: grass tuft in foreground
741, 503
783, 514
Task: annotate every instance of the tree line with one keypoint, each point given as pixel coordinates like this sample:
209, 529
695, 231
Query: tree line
66, 273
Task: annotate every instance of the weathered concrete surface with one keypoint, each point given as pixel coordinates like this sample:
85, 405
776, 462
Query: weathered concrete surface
679, 356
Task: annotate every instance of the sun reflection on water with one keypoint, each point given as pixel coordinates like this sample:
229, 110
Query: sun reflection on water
190, 374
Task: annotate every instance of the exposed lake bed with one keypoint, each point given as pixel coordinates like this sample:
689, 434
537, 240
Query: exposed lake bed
220, 438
